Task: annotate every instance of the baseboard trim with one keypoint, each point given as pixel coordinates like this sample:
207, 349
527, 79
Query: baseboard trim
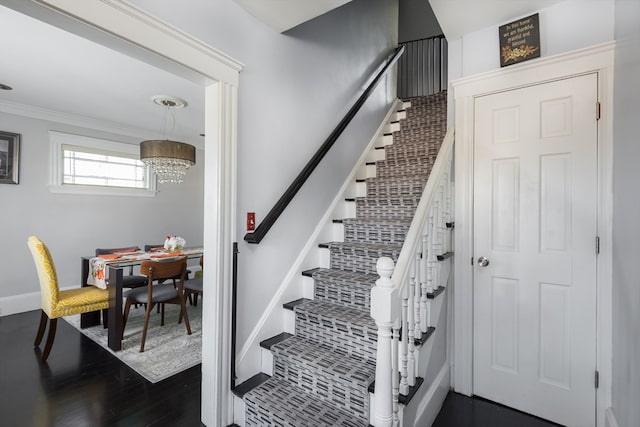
434, 398
15, 304
610, 418
19, 303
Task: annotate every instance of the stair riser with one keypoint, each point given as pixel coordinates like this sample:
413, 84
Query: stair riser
351, 339
348, 289
375, 233
357, 296
325, 386
399, 188
404, 168
389, 210
427, 150
272, 406
361, 261
430, 122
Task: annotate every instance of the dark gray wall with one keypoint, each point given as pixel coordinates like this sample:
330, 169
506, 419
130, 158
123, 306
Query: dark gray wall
416, 21
626, 216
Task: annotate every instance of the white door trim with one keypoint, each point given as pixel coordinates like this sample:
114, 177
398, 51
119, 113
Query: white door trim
597, 59
128, 29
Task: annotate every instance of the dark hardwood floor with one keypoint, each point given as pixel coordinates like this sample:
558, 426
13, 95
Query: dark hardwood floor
462, 411
84, 385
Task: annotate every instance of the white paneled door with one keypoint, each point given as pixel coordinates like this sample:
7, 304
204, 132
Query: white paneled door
535, 195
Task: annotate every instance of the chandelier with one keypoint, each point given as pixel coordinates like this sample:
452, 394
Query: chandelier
168, 159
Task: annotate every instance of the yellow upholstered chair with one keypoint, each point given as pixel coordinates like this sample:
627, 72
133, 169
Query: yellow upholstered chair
56, 303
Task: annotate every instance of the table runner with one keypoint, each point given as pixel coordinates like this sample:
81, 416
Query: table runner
98, 264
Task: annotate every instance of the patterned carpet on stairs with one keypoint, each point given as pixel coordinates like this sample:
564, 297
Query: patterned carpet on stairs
322, 373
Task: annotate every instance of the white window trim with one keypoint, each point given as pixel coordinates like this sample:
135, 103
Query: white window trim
56, 184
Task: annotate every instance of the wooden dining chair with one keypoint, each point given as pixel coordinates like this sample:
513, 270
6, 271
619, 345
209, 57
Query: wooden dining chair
193, 287
129, 280
162, 293
160, 247
56, 303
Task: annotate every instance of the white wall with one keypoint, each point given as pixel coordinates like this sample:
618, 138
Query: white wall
294, 90
626, 212
566, 26
74, 225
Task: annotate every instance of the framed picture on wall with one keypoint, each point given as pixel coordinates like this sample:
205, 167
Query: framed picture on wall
9, 157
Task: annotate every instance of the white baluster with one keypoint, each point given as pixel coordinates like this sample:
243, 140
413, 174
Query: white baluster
394, 372
385, 310
447, 217
430, 251
424, 284
411, 335
407, 300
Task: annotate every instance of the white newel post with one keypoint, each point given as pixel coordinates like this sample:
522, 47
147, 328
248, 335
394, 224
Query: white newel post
385, 310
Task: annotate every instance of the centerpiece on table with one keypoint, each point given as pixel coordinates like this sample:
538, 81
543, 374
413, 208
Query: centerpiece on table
174, 244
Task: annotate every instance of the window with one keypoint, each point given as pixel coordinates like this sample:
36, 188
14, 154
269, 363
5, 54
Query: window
88, 165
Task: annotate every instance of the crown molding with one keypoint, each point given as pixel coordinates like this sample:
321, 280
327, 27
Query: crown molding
172, 49
39, 113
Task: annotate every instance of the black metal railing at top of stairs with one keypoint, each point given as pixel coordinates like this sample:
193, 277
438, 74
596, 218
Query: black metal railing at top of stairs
275, 212
423, 68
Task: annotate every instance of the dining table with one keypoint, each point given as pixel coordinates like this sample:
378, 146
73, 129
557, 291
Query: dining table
106, 272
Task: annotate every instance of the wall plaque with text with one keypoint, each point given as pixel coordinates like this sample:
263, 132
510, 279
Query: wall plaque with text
519, 40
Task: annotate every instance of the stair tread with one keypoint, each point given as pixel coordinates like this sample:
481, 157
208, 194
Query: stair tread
282, 404
437, 291
293, 304
250, 384
270, 342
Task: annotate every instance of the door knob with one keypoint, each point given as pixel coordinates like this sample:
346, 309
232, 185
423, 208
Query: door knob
483, 261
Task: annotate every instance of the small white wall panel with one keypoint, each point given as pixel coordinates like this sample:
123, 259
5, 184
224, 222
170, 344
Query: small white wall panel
555, 203
555, 118
554, 335
504, 324
506, 125
505, 204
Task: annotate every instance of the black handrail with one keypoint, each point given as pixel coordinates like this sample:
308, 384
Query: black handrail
275, 212
234, 299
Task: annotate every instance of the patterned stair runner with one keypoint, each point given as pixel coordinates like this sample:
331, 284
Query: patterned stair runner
322, 373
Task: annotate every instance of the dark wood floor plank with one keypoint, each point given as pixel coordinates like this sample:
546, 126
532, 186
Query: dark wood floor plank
462, 411
82, 384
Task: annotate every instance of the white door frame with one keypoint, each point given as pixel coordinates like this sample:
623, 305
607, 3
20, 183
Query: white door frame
128, 29
597, 59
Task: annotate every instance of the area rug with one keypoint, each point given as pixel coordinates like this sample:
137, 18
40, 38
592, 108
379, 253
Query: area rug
168, 349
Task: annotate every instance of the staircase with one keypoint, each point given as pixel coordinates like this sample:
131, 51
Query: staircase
323, 374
